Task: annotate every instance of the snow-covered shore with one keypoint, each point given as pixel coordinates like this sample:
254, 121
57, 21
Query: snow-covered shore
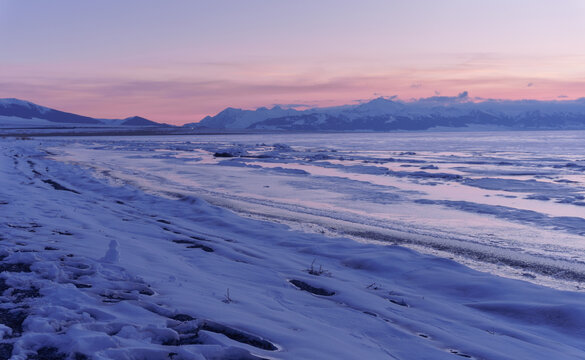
96, 270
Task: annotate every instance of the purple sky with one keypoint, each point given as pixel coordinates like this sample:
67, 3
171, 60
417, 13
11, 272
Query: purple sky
178, 61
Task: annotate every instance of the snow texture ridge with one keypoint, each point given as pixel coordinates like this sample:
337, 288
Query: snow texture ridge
183, 279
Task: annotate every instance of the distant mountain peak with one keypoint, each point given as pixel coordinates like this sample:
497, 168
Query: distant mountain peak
13, 102
138, 121
387, 114
16, 108
380, 100
231, 110
135, 117
233, 118
377, 102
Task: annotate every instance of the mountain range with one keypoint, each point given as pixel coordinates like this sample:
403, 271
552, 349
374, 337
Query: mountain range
19, 112
381, 114
390, 114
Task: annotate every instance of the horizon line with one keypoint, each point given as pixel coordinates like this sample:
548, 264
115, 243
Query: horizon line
460, 98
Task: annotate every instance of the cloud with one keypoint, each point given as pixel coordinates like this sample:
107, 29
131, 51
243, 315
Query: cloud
178, 100
379, 95
461, 97
375, 96
293, 106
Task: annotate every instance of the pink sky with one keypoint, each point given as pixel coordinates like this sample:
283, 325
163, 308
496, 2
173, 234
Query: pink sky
179, 63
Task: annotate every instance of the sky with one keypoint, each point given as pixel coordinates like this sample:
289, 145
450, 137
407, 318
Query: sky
178, 61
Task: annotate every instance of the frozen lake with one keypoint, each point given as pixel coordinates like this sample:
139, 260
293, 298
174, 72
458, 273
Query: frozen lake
510, 203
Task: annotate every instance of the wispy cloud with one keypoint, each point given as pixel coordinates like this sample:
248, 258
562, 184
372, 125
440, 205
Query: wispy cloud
180, 100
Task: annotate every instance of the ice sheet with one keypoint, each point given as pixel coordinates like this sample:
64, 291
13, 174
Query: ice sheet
510, 203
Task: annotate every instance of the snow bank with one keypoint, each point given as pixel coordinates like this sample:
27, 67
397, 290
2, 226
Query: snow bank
184, 279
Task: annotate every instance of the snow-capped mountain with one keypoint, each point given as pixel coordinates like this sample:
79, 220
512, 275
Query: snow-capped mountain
231, 118
387, 114
20, 112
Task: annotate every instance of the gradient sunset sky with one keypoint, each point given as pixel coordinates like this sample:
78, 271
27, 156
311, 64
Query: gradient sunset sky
178, 61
